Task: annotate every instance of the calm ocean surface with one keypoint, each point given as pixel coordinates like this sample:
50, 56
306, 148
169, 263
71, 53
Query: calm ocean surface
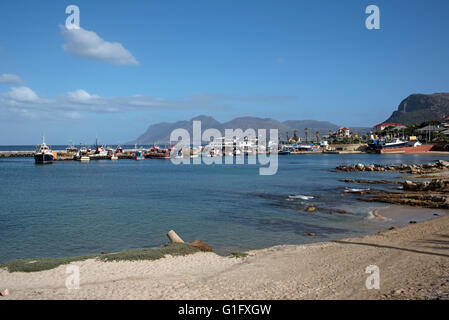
72, 208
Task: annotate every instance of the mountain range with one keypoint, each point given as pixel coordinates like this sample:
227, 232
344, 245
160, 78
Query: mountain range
160, 132
414, 109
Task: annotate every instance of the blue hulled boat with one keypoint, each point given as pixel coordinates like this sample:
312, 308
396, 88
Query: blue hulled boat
43, 155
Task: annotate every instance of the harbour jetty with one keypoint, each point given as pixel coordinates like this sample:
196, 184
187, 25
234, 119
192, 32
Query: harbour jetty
16, 154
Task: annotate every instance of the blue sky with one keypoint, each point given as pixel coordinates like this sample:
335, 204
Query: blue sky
173, 60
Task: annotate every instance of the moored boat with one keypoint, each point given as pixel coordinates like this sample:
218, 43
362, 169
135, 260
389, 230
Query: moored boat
138, 155
380, 146
43, 155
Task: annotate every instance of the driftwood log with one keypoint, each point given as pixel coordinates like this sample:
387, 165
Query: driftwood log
174, 238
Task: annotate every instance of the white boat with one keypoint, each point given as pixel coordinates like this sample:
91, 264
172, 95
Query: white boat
43, 155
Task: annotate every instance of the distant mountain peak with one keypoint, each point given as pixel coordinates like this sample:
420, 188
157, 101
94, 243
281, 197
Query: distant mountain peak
418, 107
203, 117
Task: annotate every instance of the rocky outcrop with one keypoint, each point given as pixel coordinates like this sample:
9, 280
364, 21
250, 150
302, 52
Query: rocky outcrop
417, 199
418, 108
369, 181
439, 165
428, 194
434, 185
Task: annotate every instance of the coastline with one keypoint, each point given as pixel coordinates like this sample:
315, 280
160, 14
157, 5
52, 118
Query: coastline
413, 261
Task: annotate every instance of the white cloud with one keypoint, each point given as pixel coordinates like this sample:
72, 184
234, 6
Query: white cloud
81, 96
87, 44
10, 78
24, 102
22, 94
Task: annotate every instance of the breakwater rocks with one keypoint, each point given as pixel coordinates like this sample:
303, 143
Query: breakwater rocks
439, 165
16, 154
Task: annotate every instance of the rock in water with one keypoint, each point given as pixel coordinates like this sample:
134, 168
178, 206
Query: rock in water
310, 234
310, 209
442, 163
201, 245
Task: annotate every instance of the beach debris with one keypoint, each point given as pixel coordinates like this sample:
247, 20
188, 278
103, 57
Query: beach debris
4, 293
310, 209
201, 245
174, 238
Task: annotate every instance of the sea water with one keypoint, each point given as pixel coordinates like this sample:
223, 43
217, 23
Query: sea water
72, 208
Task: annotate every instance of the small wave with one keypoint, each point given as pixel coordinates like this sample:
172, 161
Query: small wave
356, 190
300, 196
374, 215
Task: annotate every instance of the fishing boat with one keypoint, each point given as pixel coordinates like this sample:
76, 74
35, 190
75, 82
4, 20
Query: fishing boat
138, 155
177, 154
381, 144
43, 155
119, 149
101, 151
82, 155
285, 150
398, 146
158, 153
71, 148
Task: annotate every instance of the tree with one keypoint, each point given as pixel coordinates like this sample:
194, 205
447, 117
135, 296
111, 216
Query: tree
306, 131
317, 135
287, 136
295, 136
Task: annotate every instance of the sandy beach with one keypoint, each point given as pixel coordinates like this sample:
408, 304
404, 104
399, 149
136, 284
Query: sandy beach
413, 262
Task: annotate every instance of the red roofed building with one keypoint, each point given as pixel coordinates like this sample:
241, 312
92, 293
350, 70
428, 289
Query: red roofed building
383, 126
343, 132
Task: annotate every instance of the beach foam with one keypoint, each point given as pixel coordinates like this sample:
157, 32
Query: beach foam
300, 196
